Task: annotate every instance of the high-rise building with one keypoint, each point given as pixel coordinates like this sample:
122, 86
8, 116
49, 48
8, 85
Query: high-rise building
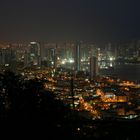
6, 55
51, 56
26, 59
77, 57
93, 67
34, 52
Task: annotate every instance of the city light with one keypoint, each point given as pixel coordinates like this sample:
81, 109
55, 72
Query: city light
71, 61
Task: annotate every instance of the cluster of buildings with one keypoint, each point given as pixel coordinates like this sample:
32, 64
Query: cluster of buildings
77, 56
74, 56
129, 51
101, 98
71, 71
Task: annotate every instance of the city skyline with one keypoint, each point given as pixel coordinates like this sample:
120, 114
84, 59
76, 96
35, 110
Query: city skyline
52, 20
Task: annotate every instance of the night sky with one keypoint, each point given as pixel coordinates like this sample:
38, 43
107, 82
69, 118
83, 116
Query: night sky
66, 20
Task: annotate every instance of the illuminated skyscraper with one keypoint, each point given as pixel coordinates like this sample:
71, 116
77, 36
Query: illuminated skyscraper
34, 53
52, 56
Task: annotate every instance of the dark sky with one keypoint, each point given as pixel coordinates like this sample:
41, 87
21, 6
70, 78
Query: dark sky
64, 20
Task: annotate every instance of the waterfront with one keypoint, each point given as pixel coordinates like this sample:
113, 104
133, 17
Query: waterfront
124, 71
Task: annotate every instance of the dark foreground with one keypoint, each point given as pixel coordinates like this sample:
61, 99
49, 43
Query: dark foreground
72, 129
28, 111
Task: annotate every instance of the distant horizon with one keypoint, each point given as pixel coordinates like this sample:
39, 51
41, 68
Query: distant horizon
68, 41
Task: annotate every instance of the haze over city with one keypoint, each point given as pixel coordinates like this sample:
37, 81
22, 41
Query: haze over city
66, 20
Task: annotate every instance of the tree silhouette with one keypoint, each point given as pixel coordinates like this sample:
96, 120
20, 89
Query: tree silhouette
28, 100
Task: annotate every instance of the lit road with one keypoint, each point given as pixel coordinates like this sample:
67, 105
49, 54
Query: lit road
91, 109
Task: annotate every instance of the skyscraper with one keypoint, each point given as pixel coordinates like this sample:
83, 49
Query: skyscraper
34, 53
6, 55
93, 67
77, 57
